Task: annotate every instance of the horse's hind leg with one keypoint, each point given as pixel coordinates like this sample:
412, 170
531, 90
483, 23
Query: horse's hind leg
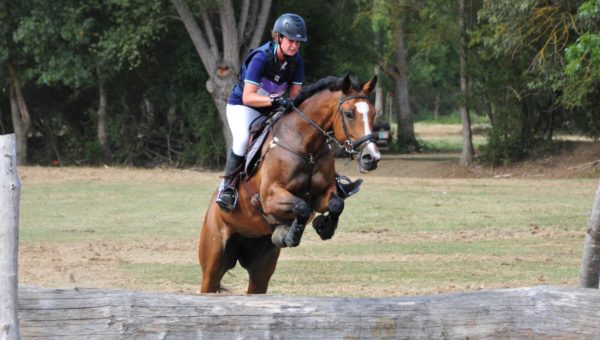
217, 255
259, 257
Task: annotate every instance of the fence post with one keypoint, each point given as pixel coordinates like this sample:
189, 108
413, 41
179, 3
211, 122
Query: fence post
10, 190
590, 261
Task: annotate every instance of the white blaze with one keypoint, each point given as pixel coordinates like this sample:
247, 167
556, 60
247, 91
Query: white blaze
363, 108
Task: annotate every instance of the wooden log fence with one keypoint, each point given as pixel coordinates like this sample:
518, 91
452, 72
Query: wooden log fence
538, 312
534, 312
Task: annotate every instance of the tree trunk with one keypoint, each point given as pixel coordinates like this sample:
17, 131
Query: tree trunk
10, 190
2, 129
20, 114
223, 67
19, 129
102, 117
436, 107
590, 261
379, 104
466, 157
406, 130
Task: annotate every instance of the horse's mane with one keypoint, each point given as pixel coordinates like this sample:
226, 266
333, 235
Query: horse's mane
328, 83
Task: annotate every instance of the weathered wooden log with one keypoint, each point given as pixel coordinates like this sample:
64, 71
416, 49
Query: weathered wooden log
10, 190
536, 312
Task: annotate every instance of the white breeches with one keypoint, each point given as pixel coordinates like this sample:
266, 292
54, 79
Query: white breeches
239, 118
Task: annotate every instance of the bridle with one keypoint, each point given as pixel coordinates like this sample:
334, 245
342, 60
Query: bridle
348, 146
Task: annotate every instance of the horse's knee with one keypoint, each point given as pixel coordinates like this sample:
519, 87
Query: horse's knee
336, 206
302, 210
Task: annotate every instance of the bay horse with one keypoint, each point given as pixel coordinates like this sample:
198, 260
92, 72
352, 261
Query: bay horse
294, 180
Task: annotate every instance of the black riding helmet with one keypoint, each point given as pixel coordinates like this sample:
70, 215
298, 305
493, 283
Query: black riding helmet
292, 26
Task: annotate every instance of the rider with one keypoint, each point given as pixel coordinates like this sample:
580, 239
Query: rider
267, 73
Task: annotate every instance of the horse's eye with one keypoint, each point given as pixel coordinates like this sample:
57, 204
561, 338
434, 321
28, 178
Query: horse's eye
349, 114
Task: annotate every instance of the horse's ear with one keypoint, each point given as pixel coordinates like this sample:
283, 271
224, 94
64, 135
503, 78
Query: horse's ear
347, 84
369, 86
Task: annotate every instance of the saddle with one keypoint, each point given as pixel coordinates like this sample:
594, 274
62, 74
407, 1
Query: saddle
259, 129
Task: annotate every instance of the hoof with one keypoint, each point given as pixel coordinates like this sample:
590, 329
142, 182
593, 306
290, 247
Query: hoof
278, 235
293, 237
324, 227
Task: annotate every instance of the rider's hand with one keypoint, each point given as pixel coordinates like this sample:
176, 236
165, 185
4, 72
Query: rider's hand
283, 102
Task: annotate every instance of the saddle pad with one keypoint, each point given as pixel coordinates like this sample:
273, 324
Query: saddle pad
254, 152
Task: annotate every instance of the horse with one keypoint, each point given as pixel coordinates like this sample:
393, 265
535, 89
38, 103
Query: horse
294, 179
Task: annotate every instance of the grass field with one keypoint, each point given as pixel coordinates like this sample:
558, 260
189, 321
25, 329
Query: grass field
138, 229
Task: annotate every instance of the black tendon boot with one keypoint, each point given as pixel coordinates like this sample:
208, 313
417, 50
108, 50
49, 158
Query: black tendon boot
227, 197
346, 187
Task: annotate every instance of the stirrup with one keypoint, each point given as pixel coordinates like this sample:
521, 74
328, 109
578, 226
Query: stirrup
346, 187
227, 199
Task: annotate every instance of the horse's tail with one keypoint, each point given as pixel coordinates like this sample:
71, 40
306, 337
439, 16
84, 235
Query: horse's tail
223, 289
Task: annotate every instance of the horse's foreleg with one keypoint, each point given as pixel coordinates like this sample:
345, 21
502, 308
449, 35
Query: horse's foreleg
290, 237
325, 225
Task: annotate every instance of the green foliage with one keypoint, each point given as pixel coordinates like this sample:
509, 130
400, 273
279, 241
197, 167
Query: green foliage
532, 71
583, 56
205, 130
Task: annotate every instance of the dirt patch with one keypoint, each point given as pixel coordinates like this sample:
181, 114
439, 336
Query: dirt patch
96, 263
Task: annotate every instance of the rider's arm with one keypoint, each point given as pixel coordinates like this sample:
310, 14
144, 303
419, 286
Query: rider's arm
298, 78
254, 73
295, 90
250, 97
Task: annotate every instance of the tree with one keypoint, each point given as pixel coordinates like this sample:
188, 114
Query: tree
222, 60
391, 15
584, 53
86, 44
11, 57
466, 156
522, 44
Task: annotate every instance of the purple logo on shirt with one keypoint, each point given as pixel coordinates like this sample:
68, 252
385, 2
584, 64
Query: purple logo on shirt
268, 87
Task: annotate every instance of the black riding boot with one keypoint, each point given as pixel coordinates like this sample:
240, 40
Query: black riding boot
227, 197
346, 187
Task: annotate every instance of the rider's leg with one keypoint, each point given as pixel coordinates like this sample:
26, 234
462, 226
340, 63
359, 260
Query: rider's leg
227, 194
345, 186
239, 118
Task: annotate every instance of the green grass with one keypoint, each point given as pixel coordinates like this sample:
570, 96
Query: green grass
452, 118
450, 143
398, 236
75, 211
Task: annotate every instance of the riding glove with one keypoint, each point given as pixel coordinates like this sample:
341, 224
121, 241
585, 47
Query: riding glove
283, 102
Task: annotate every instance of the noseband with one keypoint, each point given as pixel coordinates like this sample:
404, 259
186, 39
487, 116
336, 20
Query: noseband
349, 146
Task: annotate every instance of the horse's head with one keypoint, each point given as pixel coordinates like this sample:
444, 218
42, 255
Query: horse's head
355, 127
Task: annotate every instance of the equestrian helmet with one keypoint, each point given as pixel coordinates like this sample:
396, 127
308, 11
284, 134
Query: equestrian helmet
292, 26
